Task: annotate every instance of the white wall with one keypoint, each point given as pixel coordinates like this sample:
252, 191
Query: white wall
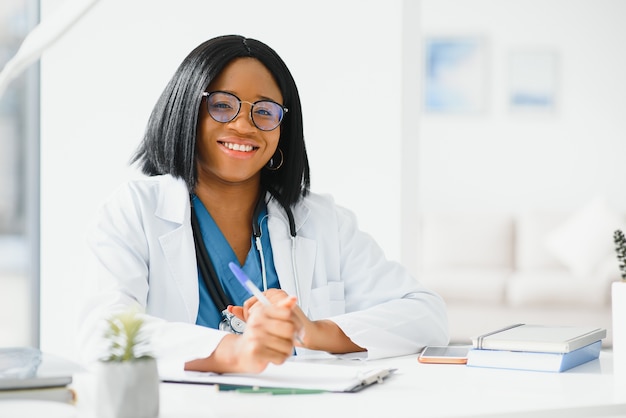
99, 84
502, 161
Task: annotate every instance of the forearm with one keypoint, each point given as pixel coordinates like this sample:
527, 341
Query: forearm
325, 335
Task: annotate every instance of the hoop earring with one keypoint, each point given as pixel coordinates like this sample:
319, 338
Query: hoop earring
271, 164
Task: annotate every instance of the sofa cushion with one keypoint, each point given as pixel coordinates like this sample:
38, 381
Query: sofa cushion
478, 285
466, 240
532, 229
554, 288
585, 238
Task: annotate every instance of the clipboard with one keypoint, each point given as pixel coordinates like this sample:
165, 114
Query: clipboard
294, 376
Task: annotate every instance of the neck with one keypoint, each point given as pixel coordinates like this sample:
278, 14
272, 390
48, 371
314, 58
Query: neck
232, 209
234, 198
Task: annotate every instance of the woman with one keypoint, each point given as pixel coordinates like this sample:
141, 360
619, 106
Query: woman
228, 181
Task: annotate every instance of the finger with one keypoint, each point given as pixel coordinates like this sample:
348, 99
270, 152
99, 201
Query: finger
255, 352
270, 339
297, 333
274, 352
288, 302
281, 328
278, 299
275, 295
249, 302
237, 311
247, 306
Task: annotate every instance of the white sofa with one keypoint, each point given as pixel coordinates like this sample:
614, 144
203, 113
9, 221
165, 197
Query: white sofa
533, 267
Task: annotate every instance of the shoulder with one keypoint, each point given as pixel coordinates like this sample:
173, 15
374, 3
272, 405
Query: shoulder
324, 203
321, 207
318, 201
165, 195
154, 186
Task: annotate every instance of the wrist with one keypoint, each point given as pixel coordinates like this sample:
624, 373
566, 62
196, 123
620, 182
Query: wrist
313, 335
222, 360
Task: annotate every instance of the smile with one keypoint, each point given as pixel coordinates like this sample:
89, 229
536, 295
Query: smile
238, 147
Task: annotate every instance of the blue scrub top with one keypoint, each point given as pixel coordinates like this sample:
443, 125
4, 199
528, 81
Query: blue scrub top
221, 253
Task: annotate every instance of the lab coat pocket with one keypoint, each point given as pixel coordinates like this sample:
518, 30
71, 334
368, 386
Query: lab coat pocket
327, 301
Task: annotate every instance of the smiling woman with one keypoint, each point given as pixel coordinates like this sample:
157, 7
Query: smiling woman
228, 183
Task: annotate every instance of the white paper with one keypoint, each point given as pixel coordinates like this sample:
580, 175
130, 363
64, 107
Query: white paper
294, 375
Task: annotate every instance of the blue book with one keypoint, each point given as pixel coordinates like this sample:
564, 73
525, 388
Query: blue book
533, 360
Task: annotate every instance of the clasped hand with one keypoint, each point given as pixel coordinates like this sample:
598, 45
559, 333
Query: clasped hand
270, 336
274, 330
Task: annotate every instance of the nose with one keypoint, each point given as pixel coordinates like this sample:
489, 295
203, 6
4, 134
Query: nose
243, 120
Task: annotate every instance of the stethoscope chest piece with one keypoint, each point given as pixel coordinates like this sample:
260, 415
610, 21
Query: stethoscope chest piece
231, 323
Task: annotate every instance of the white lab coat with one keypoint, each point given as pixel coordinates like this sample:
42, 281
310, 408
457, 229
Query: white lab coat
144, 255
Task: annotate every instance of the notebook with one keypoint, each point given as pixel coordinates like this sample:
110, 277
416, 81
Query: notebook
534, 361
540, 338
28, 368
293, 375
57, 394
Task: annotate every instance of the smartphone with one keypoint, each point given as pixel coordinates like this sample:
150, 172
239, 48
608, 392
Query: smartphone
449, 354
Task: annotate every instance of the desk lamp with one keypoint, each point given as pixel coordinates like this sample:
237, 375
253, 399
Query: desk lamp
42, 36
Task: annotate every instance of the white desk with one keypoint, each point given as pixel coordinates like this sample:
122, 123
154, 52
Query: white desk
417, 390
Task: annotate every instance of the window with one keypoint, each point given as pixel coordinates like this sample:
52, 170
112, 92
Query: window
19, 190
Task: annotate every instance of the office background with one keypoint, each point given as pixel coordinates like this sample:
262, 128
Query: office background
99, 83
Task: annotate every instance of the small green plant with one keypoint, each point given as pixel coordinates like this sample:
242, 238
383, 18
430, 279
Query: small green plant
620, 248
127, 341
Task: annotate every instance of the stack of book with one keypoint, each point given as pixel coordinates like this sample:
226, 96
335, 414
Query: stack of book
27, 373
546, 348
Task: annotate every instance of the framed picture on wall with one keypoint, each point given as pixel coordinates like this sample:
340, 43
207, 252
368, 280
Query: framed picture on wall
455, 74
533, 81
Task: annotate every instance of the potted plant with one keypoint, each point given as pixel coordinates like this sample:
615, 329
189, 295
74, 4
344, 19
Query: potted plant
618, 300
127, 377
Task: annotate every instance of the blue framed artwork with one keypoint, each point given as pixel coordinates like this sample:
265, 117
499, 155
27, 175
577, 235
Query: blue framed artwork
455, 75
533, 81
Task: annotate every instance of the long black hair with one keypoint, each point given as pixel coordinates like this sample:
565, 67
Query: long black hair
169, 143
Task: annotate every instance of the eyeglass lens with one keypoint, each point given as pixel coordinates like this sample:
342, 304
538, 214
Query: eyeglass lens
224, 107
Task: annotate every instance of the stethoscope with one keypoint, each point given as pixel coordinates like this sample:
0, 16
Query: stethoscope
230, 322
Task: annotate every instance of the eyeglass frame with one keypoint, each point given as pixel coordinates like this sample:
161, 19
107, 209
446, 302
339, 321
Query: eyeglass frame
208, 94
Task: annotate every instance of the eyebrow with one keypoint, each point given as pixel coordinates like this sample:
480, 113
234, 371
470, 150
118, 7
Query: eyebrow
269, 98
261, 97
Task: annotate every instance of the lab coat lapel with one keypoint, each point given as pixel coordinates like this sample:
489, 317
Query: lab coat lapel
282, 247
177, 244
304, 258
180, 260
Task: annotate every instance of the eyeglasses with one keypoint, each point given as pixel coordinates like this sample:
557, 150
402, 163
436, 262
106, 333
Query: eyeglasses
224, 107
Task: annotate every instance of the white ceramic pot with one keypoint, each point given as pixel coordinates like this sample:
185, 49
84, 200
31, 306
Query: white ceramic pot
618, 306
127, 389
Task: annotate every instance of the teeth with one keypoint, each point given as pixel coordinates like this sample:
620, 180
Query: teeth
238, 147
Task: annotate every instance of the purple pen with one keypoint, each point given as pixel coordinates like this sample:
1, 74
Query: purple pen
247, 283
